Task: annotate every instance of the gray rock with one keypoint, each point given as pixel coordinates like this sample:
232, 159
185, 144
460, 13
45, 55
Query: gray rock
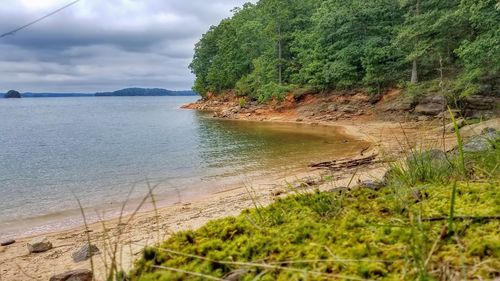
478, 102
73, 275
85, 253
39, 245
340, 190
369, 184
7, 242
481, 142
431, 106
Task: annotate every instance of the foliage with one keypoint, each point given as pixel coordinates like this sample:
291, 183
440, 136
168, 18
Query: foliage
12, 94
336, 44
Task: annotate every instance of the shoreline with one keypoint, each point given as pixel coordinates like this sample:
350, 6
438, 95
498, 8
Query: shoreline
152, 227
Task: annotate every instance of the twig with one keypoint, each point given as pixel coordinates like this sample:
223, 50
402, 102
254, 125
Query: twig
188, 272
474, 218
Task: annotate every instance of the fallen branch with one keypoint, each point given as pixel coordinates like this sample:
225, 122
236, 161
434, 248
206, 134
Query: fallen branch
340, 164
474, 218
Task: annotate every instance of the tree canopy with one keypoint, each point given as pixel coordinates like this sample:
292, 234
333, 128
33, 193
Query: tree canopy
269, 48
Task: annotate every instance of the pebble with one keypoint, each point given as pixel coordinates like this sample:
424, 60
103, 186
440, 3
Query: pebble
73, 275
7, 242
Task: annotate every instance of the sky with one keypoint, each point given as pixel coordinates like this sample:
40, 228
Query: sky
98, 45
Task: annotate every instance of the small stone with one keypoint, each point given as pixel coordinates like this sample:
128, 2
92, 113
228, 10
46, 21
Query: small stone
85, 253
349, 109
7, 242
340, 190
73, 275
39, 245
368, 184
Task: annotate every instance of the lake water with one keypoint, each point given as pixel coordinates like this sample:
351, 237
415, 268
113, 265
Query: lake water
98, 149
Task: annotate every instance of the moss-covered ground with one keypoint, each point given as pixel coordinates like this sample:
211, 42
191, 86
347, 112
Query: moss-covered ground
396, 232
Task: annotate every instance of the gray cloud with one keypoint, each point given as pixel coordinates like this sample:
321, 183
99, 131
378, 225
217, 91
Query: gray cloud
104, 45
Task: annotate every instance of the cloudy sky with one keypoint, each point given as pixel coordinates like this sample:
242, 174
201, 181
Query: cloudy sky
99, 45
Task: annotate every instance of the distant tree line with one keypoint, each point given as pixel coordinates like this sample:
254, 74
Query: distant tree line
274, 46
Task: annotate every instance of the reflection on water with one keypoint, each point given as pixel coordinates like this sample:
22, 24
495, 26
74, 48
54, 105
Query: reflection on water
98, 148
239, 147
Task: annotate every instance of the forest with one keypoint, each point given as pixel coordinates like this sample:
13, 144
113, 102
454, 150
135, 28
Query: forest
274, 47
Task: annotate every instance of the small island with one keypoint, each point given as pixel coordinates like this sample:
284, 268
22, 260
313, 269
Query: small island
132, 92
12, 95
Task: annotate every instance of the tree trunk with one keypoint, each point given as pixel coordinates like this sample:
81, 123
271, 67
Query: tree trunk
414, 73
280, 55
414, 69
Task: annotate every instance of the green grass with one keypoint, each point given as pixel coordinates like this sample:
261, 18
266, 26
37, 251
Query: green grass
431, 222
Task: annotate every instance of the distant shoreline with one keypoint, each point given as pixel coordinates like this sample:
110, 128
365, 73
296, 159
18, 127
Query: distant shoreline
127, 92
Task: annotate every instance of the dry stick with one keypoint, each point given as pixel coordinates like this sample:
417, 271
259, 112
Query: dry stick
434, 246
25, 273
188, 272
263, 265
474, 218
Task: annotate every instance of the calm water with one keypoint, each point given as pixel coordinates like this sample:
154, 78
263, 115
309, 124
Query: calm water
98, 149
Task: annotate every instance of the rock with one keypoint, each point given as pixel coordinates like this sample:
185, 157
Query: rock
375, 98
12, 95
369, 184
333, 107
340, 190
423, 118
451, 127
431, 106
73, 275
85, 253
7, 242
349, 109
478, 102
39, 245
481, 142
299, 120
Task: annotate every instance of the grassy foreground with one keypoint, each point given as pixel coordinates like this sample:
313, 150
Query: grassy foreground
432, 220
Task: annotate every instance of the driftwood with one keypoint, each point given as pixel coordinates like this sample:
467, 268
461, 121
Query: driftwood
340, 164
473, 218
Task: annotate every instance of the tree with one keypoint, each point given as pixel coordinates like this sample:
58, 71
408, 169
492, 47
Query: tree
12, 95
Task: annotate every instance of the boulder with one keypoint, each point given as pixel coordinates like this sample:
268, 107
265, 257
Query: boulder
7, 242
481, 142
73, 275
13, 95
478, 102
39, 245
431, 106
85, 253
